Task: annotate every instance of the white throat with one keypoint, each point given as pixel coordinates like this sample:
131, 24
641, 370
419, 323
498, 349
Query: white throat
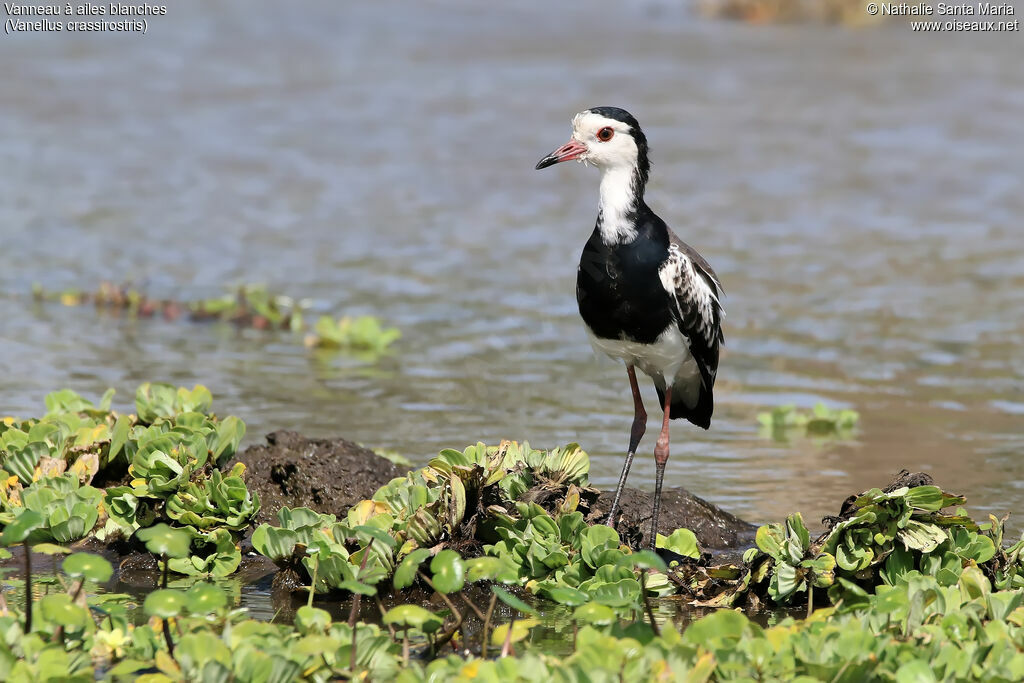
617, 206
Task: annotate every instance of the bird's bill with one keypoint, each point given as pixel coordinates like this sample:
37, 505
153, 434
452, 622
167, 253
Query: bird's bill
567, 152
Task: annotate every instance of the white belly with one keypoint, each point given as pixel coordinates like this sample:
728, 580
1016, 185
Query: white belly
667, 361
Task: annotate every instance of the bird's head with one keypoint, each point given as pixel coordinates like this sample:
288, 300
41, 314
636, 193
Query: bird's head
608, 137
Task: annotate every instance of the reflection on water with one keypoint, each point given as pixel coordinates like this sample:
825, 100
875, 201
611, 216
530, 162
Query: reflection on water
858, 192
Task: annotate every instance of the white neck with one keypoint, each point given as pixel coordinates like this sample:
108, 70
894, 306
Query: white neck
618, 201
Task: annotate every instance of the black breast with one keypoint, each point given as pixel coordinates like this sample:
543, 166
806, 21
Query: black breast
618, 289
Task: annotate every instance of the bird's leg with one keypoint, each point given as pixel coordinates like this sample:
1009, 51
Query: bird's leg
635, 434
660, 458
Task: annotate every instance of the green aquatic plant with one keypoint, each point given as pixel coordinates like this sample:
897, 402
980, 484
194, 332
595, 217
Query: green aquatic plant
821, 422
160, 464
252, 306
247, 306
551, 550
908, 586
68, 509
879, 537
915, 629
362, 333
216, 501
427, 506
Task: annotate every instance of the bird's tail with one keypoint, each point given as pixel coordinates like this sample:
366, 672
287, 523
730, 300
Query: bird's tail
699, 414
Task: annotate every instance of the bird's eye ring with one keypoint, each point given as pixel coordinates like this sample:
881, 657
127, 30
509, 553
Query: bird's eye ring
605, 134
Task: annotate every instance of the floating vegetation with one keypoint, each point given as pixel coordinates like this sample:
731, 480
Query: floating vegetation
364, 333
248, 306
902, 584
251, 306
86, 470
821, 422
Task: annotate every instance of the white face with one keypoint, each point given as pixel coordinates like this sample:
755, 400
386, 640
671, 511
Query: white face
608, 142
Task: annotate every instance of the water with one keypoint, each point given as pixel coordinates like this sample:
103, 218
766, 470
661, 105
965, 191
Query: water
858, 191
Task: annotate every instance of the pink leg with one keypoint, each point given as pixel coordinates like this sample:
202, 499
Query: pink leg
660, 458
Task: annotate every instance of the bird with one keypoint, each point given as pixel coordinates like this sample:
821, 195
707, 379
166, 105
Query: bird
646, 297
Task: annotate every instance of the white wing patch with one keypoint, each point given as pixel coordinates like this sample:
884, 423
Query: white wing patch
697, 301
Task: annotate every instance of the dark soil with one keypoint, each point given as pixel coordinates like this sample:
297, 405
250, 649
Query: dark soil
326, 475
330, 475
714, 527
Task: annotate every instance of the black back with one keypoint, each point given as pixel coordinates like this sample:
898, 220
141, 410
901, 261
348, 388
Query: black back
620, 295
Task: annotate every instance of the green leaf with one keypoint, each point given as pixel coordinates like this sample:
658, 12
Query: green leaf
164, 603
595, 540
482, 568
622, 593
449, 572
17, 531
161, 539
512, 601
61, 610
798, 539
595, 614
107, 399
723, 629
405, 574
520, 630
273, 542
925, 498
88, 566
920, 536
118, 437
769, 540
413, 616
312, 620
204, 598
153, 401
50, 549
681, 541
915, 671
565, 595
787, 580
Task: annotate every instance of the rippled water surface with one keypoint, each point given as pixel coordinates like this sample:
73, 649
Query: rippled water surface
858, 191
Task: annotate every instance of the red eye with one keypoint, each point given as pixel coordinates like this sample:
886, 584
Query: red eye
605, 134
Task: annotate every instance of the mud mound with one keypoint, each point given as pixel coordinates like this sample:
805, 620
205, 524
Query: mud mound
327, 475
330, 475
714, 527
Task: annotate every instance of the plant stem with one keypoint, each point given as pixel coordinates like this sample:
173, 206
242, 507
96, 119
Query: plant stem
354, 612
487, 624
471, 605
352, 653
59, 633
78, 589
28, 588
166, 571
405, 647
312, 586
508, 637
451, 605
810, 600
647, 602
167, 637
380, 608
